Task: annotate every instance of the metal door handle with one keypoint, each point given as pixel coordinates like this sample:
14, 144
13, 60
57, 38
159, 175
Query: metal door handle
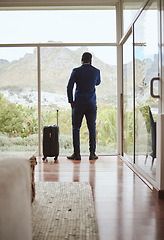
151, 87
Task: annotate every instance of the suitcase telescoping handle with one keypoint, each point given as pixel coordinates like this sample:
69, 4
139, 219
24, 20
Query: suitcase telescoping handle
57, 116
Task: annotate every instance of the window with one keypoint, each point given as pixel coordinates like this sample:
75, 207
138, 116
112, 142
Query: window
18, 100
95, 29
67, 26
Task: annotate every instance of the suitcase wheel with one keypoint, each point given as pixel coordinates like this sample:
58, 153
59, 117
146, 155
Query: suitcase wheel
45, 158
55, 158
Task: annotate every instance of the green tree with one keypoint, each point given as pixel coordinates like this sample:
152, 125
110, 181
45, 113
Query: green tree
11, 117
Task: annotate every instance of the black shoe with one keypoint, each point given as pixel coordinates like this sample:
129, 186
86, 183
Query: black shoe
75, 156
93, 156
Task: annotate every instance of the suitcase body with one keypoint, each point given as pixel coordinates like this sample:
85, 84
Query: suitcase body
51, 141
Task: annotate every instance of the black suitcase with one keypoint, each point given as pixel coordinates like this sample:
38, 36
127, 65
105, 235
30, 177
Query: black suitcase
51, 141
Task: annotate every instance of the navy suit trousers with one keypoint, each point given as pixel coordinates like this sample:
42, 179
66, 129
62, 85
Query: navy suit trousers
78, 112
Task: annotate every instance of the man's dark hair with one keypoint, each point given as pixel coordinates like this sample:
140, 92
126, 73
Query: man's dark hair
87, 57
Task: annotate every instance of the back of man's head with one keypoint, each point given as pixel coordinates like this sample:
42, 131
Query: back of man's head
86, 57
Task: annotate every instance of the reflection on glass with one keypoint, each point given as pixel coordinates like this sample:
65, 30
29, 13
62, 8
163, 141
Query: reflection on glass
18, 100
128, 98
146, 67
77, 26
130, 9
56, 66
128, 17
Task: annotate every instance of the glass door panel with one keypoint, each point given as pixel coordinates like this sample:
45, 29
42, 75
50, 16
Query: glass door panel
128, 144
146, 68
56, 66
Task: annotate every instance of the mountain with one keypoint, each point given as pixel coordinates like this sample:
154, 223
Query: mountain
56, 66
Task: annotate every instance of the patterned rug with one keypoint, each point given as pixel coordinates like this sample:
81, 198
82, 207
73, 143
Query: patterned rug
64, 211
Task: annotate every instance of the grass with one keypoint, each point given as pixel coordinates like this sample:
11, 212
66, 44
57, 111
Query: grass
30, 143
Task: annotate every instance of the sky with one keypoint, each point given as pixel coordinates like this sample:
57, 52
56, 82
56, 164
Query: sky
73, 26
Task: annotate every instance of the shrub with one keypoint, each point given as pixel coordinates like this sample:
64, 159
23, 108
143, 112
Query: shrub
11, 117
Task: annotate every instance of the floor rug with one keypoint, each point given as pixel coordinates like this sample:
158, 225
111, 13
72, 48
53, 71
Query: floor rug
64, 210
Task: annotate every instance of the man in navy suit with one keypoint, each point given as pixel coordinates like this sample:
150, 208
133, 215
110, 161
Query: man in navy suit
86, 77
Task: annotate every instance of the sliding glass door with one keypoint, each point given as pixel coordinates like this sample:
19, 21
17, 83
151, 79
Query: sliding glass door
146, 107
140, 89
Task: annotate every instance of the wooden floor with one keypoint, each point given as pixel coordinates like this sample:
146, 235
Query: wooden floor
126, 208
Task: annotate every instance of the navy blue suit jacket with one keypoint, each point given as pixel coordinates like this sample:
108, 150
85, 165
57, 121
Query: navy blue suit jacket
86, 77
